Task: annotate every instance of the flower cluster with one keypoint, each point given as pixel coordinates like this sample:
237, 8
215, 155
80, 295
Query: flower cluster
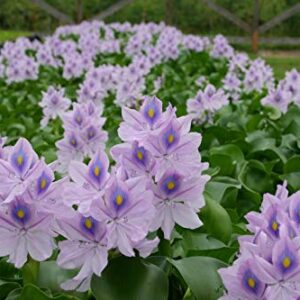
206, 102
30, 199
159, 146
287, 92
54, 104
268, 266
75, 49
83, 134
157, 182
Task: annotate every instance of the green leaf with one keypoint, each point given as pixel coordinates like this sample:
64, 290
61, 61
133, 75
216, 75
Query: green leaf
217, 186
6, 288
200, 274
216, 220
255, 178
292, 172
51, 276
130, 278
32, 292
200, 241
272, 112
7, 270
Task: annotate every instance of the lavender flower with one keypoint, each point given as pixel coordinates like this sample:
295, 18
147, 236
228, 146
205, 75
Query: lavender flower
177, 200
127, 210
269, 257
206, 102
54, 105
85, 247
23, 231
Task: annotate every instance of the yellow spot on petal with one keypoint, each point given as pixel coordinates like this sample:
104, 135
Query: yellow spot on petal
171, 138
251, 282
73, 141
43, 183
171, 185
88, 223
274, 225
119, 200
78, 119
286, 262
151, 113
96, 171
20, 213
20, 160
140, 155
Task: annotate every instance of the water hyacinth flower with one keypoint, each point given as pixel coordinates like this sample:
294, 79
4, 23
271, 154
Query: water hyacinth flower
83, 134
88, 182
290, 84
127, 210
17, 170
282, 274
138, 124
178, 199
279, 99
175, 147
71, 147
206, 102
54, 104
45, 193
85, 248
242, 282
273, 250
134, 159
171, 147
23, 231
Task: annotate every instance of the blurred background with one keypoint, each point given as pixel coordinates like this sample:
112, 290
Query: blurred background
271, 26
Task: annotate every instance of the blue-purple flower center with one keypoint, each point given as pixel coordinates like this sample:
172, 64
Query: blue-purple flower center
170, 138
171, 184
250, 282
19, 159
287, 261
151, 113
89, 224
21, 213
95, 170
119, 198
140, 155
274, 226
43, 183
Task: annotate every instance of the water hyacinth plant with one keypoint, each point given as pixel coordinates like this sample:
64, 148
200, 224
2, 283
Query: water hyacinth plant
137, 162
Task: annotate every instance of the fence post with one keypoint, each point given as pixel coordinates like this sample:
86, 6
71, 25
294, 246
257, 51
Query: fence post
255, 35
79, 11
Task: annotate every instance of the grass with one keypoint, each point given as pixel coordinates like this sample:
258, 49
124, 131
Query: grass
281, 64
280, 61
8, 35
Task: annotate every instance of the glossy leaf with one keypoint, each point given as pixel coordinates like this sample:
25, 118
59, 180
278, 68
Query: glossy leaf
200, 274
130, 278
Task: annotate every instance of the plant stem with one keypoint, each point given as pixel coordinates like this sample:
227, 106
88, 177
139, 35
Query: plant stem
164, 245
30, 271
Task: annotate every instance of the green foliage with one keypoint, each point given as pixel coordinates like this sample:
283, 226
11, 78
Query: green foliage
131, 278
